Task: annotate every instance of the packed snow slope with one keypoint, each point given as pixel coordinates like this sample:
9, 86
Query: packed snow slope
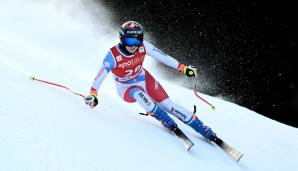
46, 128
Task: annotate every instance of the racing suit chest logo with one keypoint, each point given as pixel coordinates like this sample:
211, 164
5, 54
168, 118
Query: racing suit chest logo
136, 60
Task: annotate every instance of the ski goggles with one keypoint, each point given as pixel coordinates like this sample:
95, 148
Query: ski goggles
132, 41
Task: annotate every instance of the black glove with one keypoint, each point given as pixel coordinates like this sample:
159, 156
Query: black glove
191, 71
91, 101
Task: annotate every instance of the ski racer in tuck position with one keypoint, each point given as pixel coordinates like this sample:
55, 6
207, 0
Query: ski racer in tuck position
135, 84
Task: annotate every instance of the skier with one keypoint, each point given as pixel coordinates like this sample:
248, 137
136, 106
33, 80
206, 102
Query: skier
135, 84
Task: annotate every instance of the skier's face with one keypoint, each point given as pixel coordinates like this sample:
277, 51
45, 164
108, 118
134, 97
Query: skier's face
131, 49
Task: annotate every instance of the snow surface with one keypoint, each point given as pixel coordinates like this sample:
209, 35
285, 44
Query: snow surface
44, 128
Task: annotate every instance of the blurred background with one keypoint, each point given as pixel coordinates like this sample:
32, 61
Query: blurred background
246, 51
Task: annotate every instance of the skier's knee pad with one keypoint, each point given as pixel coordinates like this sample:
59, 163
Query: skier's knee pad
133, 91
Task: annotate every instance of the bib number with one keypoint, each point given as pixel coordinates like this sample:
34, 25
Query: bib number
130, 71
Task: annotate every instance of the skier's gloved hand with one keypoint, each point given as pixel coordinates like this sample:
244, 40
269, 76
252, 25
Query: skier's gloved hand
91, 101
190, 71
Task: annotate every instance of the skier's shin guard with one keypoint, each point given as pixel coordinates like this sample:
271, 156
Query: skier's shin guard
152, 108
162, 116
198, 125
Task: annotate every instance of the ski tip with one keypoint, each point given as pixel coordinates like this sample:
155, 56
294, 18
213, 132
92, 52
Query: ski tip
190, 146
238, 159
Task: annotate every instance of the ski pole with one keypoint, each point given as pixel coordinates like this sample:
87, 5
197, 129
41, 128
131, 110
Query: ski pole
201, 98
57, 85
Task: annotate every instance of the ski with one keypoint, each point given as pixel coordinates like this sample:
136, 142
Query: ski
229, 150
187, 143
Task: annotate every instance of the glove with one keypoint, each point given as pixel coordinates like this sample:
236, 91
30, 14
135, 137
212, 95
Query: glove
190, 71
91, 101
